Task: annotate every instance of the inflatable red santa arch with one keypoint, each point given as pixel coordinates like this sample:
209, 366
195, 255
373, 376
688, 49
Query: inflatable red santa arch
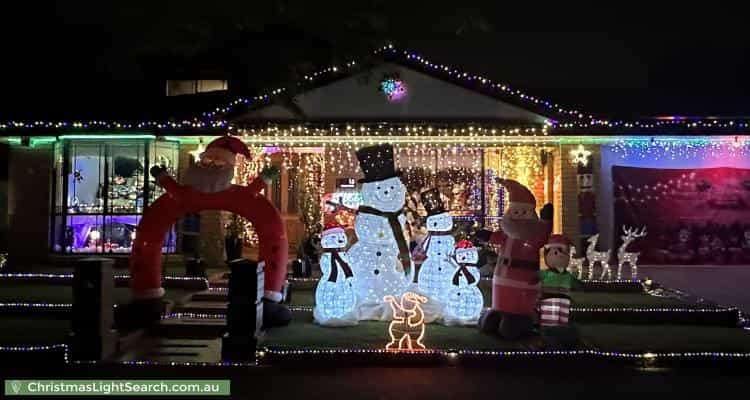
207, 186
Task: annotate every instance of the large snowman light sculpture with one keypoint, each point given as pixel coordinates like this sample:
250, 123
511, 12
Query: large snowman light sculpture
335, 300
380, 259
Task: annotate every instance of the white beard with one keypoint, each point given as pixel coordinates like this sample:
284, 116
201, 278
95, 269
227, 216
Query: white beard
208, 180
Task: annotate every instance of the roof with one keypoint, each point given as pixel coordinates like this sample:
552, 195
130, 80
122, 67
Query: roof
198, 113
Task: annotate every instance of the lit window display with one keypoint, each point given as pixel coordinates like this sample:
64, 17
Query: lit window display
101, 191
465, 176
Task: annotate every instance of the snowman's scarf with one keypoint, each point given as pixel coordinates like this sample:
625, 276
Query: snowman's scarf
403, 248
336, 262
463, 269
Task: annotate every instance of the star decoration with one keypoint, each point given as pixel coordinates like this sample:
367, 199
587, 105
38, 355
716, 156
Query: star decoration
197, 152
580, 155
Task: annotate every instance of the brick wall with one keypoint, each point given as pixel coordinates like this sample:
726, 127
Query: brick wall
29, 188
568, 177
212, 222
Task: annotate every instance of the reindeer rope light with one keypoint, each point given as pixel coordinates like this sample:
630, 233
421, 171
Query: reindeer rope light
623, 256
576, 264
594, 256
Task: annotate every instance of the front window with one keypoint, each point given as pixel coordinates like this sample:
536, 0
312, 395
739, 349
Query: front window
101, 191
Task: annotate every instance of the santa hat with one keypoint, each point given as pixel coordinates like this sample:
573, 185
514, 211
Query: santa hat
558, 241
230, 144
332, 227
464, 244
517, 193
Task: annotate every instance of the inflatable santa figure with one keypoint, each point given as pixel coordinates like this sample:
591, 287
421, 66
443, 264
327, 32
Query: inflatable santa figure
207, 186
515, 281
335, 300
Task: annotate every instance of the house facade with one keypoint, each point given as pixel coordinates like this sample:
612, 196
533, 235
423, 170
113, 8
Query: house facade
75, 189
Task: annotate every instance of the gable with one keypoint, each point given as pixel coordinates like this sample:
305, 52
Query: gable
358, 97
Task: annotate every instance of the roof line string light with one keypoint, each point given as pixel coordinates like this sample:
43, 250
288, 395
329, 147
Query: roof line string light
726, 148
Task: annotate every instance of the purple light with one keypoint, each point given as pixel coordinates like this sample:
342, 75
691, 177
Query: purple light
92, 234
394, 89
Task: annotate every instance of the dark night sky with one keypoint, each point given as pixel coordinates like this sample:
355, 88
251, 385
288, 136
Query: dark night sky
626, 60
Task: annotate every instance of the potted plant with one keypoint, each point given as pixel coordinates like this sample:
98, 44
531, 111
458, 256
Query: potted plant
234, 237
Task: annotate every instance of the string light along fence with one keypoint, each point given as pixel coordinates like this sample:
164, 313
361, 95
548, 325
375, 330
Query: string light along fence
429, 357
122, 280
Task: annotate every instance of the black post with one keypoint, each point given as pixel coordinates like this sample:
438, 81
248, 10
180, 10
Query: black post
484, 188
93, 336
191, 246
244, 311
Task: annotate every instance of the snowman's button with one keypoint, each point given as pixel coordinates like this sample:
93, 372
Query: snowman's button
376, 271
378, 254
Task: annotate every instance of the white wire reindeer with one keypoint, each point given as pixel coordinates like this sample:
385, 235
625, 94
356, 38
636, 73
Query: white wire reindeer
602, 257
625, 257
575, 264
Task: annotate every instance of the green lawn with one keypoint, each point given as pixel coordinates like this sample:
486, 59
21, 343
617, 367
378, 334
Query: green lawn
304, 297
33, 331
33, 293
303, 332
172, 268
664, 338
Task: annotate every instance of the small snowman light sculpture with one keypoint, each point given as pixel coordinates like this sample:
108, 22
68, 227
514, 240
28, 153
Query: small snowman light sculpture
335, 300
464, 299
436, 271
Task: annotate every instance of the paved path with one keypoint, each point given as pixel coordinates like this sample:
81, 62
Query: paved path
726, 285
412, 383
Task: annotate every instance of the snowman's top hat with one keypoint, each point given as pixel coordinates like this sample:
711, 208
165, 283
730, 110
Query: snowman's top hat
377, 163
432, 202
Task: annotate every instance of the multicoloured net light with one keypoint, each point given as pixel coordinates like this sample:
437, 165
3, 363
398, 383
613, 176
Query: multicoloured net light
393, 88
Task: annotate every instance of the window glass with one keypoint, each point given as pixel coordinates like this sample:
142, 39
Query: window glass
119, 233
126, 178
81, 234
85, 179
104, 200
180, 87
58, 165
210, 85
165, 155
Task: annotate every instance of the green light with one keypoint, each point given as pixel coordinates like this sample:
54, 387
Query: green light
14, 140
183, 139
43, 140
106, 137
